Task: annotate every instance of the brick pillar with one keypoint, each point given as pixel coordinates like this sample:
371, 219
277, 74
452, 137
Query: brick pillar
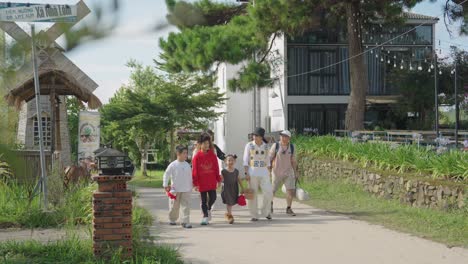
112, 216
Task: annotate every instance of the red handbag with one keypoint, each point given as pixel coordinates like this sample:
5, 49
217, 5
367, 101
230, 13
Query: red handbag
170, 195
241, 200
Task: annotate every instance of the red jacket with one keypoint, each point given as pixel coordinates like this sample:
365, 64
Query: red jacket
205, 171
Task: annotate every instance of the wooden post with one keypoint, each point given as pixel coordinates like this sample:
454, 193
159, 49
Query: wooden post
112, 216
52, 115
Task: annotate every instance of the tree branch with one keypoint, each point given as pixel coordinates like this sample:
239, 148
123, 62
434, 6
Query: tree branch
269, 49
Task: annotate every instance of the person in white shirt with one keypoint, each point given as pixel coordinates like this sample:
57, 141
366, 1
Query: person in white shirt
257, 171
180, 174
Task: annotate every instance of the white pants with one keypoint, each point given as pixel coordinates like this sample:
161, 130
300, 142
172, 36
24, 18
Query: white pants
265, 185
182, 200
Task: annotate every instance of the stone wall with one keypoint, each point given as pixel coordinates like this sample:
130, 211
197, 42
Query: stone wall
414, 191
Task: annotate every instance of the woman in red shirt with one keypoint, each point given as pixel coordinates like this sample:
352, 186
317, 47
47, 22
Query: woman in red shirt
205, 173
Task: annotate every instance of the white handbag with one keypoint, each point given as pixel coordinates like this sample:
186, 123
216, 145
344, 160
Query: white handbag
301, 195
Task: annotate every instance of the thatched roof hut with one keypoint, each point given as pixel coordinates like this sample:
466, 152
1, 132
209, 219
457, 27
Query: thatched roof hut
52, 81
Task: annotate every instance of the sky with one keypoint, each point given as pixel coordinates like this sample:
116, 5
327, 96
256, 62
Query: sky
133, 38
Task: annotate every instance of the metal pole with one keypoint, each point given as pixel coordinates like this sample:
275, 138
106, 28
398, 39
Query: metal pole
436, 97
456, 104
39, 118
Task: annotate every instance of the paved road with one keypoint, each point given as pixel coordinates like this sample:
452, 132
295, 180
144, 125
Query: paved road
314, 236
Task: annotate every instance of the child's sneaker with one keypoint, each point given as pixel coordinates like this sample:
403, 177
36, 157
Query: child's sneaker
209, 215
230, 219
204, 221
184, 225
172, 223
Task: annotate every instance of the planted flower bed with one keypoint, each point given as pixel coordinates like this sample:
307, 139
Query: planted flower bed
389, 157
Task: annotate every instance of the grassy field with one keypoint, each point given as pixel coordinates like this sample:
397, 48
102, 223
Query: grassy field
450, 228
18, 209
154, 179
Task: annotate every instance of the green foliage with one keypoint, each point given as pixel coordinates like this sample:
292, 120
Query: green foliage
74, 106
252, 74
76, 250
386, 157
152, 105
198, 48
185, 14
449, 227
5, 170
18, 207
8, 121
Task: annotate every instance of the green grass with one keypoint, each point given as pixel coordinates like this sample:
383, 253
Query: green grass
386, 157
450, 227
154, 179
76, 250
18, 210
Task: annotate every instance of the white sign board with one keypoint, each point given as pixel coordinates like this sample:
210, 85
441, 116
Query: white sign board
88, 134
23, 12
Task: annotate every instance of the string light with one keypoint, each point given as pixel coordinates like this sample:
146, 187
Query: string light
419, 67
410, 67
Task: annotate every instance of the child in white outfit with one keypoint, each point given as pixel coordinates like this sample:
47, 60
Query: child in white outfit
180, 174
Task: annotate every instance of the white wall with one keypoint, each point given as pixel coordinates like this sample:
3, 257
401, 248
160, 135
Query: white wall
276, 111
231, 129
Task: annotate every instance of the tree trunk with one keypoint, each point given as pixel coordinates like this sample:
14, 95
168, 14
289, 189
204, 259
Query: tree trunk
172, 144
143, 148
144, 155
358, 70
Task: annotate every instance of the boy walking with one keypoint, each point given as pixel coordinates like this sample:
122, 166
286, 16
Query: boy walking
180, 174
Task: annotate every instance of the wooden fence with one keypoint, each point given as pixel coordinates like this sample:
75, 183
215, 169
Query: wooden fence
30, 162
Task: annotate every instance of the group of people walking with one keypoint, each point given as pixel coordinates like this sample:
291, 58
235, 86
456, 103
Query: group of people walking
265, 168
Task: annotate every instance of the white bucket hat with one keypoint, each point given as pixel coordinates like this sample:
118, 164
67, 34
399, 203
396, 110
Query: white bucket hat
285, 133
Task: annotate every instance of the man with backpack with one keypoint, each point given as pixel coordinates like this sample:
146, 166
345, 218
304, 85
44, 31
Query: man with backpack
284, 168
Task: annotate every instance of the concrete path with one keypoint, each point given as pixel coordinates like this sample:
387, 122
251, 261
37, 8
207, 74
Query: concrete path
42, 235
313, 236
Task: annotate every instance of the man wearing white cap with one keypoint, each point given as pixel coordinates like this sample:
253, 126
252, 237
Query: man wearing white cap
284, 168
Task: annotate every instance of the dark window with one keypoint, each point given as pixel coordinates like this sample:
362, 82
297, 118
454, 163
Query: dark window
325, 118
422, 35
308, 73
312, 71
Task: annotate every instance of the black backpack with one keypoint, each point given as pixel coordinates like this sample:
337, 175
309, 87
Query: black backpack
277, 145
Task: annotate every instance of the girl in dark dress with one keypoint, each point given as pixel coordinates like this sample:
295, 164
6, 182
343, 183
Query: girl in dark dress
230, 191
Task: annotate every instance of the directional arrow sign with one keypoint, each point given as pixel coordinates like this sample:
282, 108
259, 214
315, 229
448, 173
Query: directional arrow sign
25, 12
